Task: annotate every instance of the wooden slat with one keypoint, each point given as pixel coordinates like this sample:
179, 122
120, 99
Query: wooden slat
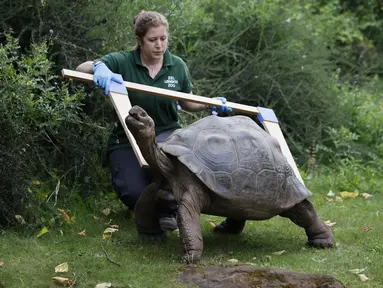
274, 130
85, 77
122, 106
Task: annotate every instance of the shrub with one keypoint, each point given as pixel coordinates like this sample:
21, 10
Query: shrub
46, 134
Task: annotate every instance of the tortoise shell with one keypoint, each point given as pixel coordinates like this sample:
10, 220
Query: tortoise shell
235, 157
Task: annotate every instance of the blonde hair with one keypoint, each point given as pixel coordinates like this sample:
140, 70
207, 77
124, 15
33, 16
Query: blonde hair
146, 20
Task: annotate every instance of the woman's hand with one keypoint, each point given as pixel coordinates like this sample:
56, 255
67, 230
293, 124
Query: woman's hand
103, 76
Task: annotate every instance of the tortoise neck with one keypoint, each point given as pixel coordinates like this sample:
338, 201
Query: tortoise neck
155, 157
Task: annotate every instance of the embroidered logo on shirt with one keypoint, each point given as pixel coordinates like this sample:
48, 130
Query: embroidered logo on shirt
171, 81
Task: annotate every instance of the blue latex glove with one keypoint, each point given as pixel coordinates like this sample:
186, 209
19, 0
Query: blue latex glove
221, 110
103, 77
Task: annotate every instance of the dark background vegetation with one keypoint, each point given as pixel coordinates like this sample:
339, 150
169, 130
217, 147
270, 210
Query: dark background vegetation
318, 64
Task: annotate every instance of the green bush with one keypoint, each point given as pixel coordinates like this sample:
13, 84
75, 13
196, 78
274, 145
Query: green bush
361, 136
46, 134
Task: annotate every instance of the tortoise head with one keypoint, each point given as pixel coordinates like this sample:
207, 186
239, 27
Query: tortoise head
140, 124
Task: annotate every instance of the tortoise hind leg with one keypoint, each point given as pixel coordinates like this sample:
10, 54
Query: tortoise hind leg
230, 226
303, 214
147, 222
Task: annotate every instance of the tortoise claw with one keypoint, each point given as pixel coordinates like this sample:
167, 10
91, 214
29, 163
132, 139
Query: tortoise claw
192, 256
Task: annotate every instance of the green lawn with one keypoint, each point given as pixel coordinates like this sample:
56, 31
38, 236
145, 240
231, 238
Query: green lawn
30, 261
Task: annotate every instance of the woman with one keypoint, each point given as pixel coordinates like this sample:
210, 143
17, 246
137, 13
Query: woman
150, 63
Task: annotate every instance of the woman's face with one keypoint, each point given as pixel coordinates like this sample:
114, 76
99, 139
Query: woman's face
154, 43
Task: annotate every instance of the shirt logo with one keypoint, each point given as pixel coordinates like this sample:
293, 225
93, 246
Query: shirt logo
171, 81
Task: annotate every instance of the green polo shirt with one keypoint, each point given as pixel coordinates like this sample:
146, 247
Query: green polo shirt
174, 75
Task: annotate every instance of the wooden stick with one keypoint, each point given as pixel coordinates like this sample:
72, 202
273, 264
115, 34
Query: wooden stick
274, 130
122, 105
85, 77
108, 257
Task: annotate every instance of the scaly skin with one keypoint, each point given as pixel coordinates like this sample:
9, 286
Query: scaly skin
303, 214
190, 229
147, 221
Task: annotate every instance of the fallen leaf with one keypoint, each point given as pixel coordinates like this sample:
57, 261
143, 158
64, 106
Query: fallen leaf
212, 225
108, 232
367, 196
357, 271
342, 207
63, 281
338, 199
251, 264
62, 268
328, 199
65, 215
20, 219
106, 211
103, 285
351, 195
82, 233
329, 223
232, 261
175, 232
106, 236
43, 231
114, 226
95, 217
366, 229
36, 182
110, 221
319, 260
363, 277
330, 194
278, 253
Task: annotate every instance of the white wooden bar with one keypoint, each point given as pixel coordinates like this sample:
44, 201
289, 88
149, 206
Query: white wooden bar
122, 105
274, 129
85, 77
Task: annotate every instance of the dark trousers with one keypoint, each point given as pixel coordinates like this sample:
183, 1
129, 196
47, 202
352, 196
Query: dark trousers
129, 179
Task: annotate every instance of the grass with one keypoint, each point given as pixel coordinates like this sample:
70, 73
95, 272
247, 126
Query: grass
29, 261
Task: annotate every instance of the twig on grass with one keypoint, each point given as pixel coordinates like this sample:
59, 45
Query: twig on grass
108, 257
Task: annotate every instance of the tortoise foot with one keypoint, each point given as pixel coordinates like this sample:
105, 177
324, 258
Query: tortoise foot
321, 238
230, 226
168, 223
192, 256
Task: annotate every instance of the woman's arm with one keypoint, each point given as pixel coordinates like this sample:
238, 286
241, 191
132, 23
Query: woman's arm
85, 67
193, 107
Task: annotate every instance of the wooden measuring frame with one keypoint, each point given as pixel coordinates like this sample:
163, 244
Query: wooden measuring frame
122, 105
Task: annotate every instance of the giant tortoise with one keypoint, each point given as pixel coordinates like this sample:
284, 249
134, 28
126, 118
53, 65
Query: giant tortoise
224, 166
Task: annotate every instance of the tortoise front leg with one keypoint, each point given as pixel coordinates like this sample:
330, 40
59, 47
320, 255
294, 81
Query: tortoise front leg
147, 222
190, 229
